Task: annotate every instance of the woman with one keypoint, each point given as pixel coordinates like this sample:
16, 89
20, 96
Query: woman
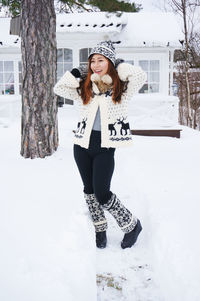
103, 94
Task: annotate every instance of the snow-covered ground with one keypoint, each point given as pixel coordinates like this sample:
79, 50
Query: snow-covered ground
47, 239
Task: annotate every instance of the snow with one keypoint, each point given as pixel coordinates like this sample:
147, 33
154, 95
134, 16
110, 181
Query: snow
5, 37
9, 108
47, 239
90, 22
154, 28
133, 29
154, 111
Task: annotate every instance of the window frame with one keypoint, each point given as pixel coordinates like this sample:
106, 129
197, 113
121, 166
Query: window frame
62, 100
163, 65
84, 62
150, 72
15, 58
4, 72
63, 62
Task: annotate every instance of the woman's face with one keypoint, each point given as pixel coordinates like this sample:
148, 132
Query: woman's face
99, 64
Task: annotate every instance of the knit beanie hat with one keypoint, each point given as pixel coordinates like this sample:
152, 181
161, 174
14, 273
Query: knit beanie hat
106, 49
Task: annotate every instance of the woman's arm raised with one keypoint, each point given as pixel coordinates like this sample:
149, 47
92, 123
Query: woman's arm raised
135, 76
67, 86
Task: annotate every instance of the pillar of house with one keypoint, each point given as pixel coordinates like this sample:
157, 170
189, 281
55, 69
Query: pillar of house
171, 53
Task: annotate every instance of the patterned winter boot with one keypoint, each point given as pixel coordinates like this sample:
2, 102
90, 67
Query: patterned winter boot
126, 221
98, 218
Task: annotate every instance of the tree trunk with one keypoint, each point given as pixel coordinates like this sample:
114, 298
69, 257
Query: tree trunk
189, 115
39, 129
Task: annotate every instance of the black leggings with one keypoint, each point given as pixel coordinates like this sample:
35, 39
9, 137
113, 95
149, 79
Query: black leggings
96, 166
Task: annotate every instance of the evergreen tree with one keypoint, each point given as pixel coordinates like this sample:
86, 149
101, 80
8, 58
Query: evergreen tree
105, 5
71, 5
13, 5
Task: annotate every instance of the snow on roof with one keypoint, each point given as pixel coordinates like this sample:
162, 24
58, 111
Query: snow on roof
151, 29
90, 22
7, 40
133, 29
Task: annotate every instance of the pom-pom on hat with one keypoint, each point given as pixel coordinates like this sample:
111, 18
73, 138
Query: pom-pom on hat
105, 48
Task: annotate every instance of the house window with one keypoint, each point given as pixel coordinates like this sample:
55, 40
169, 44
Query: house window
64, 61
130, 62
7, 77
152, 68
20, 76
83, 55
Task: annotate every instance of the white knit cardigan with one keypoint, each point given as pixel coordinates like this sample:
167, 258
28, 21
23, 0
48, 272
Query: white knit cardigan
115, 129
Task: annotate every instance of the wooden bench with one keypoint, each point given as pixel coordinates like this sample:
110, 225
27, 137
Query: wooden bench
160, 132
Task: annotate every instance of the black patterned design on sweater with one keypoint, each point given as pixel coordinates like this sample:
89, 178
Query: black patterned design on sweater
96, 213
125, 127
121, 139
112, 129
118, 133
122, 215
81, 128
107, 93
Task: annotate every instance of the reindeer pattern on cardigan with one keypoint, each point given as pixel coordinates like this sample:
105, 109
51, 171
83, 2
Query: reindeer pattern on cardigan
115, 128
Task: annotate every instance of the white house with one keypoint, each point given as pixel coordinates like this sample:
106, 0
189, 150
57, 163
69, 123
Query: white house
146, 39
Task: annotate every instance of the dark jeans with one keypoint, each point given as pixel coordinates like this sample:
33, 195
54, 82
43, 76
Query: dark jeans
96, 166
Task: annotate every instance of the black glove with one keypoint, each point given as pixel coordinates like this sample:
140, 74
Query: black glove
80, 72
118, 61
76, 73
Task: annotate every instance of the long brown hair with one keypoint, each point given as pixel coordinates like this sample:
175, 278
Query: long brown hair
119, 87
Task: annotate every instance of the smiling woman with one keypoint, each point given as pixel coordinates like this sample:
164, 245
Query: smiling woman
104, 75
99, 64
103, 95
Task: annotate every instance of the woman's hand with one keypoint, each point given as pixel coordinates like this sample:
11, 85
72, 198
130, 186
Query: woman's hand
80, 72
76, 73
135, 76
126, 70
